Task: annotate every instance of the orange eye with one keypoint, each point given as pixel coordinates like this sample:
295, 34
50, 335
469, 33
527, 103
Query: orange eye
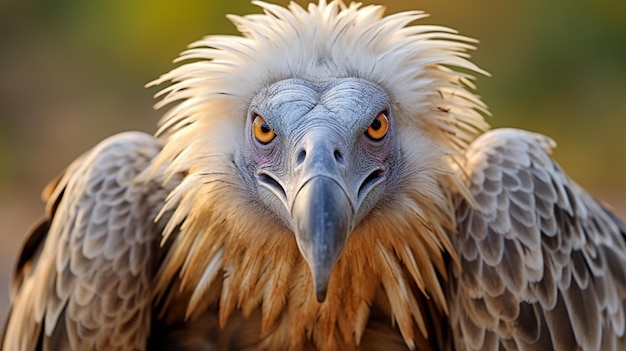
378, 129
262, 131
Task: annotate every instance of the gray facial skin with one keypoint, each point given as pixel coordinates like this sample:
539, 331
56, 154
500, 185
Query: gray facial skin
323, 171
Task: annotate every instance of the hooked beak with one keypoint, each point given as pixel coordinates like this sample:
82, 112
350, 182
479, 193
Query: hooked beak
322, 215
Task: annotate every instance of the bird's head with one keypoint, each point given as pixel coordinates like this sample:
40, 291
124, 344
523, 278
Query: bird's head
312, 122
320, 155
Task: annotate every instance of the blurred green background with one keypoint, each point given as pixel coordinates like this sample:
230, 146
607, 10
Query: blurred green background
72, 72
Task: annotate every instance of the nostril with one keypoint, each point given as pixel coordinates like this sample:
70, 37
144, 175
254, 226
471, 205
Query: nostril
301, 157
338, 156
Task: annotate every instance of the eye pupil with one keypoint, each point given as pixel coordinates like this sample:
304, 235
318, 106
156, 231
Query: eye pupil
376, 124
265, 128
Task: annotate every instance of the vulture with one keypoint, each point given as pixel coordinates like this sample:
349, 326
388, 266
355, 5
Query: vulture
324, 181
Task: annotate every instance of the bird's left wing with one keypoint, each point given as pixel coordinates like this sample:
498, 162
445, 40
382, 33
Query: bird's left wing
543, 264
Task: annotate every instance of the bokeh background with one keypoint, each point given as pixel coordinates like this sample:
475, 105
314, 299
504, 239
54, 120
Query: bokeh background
72, 72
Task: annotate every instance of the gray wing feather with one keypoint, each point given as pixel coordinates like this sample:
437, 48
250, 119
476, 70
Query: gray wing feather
84, 278
543, 265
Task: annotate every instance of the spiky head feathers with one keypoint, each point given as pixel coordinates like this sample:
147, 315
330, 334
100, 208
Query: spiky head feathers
413, 63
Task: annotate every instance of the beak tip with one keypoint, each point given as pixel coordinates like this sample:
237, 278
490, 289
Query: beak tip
321, 279
320, 296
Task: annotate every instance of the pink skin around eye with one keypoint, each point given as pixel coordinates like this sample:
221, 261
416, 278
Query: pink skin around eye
264, 156
264, 162
377, 151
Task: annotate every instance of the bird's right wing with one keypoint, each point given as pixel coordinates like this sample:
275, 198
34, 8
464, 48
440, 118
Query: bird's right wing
83, 279
543, 264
